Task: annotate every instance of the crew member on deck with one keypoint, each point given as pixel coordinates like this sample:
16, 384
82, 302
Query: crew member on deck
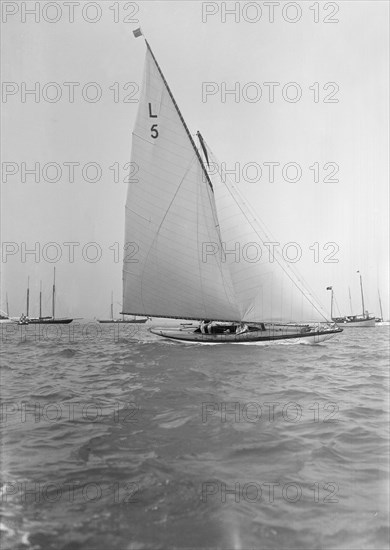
204, 327
242, 327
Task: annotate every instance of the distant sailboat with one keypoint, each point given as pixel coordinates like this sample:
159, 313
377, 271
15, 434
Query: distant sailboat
123, 319
363, 321
4, 315
4, 318
175, 214
379, 320
27, 320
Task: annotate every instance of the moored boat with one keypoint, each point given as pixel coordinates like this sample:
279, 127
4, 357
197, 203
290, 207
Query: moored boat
379, 322
134, 320
125, 320
43, 320
352, 321
364, 320
5, 318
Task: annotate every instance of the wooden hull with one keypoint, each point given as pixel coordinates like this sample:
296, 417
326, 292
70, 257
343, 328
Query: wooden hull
47, 321
252, 337
119, 321
356, 323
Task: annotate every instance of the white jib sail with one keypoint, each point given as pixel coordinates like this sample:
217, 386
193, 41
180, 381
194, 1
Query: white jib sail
266, 287
170, 218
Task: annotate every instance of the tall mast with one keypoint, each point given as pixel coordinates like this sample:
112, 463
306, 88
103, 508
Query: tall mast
112, 306
331, 304
361, 290
331, 300
6, 299
380, 304
350, 300
28, 297
181, 117
40, 299
54, 294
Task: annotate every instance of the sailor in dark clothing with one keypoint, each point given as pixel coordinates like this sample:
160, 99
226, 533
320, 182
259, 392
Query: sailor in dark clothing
205, 326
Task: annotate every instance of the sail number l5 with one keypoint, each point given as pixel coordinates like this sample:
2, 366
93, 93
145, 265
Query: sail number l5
153, 129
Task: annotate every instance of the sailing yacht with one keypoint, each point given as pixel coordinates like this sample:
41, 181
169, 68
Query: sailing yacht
182, 222
124, 319
53, 320
351, 321
5, 318
379, 320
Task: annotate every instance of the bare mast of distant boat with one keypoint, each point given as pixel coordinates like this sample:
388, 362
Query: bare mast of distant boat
25, 319
364, 320
122, 320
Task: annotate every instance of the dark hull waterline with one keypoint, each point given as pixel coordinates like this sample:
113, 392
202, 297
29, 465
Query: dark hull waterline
354, 322
43, 321
119, 321
253, 336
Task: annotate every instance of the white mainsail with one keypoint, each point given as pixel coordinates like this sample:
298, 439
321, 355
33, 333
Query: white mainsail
170, 213
179, 222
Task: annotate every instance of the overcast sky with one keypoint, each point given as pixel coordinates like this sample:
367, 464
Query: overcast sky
341, 121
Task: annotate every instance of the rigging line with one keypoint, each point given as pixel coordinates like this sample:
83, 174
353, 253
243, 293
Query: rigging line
226, 284
337, 305
176, 317
218, 263
223, 273
198, 195
302, 291
177, 154
308, 290
305, 286
299, 277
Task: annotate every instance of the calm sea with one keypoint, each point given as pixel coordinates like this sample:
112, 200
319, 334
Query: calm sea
113, 439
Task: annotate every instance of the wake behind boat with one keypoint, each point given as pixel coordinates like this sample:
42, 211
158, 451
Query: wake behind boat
180, 220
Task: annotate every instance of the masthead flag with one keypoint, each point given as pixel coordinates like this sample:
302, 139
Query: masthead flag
328, 288
137, 32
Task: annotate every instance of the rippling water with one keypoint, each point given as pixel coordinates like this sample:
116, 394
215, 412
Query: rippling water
115, 439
